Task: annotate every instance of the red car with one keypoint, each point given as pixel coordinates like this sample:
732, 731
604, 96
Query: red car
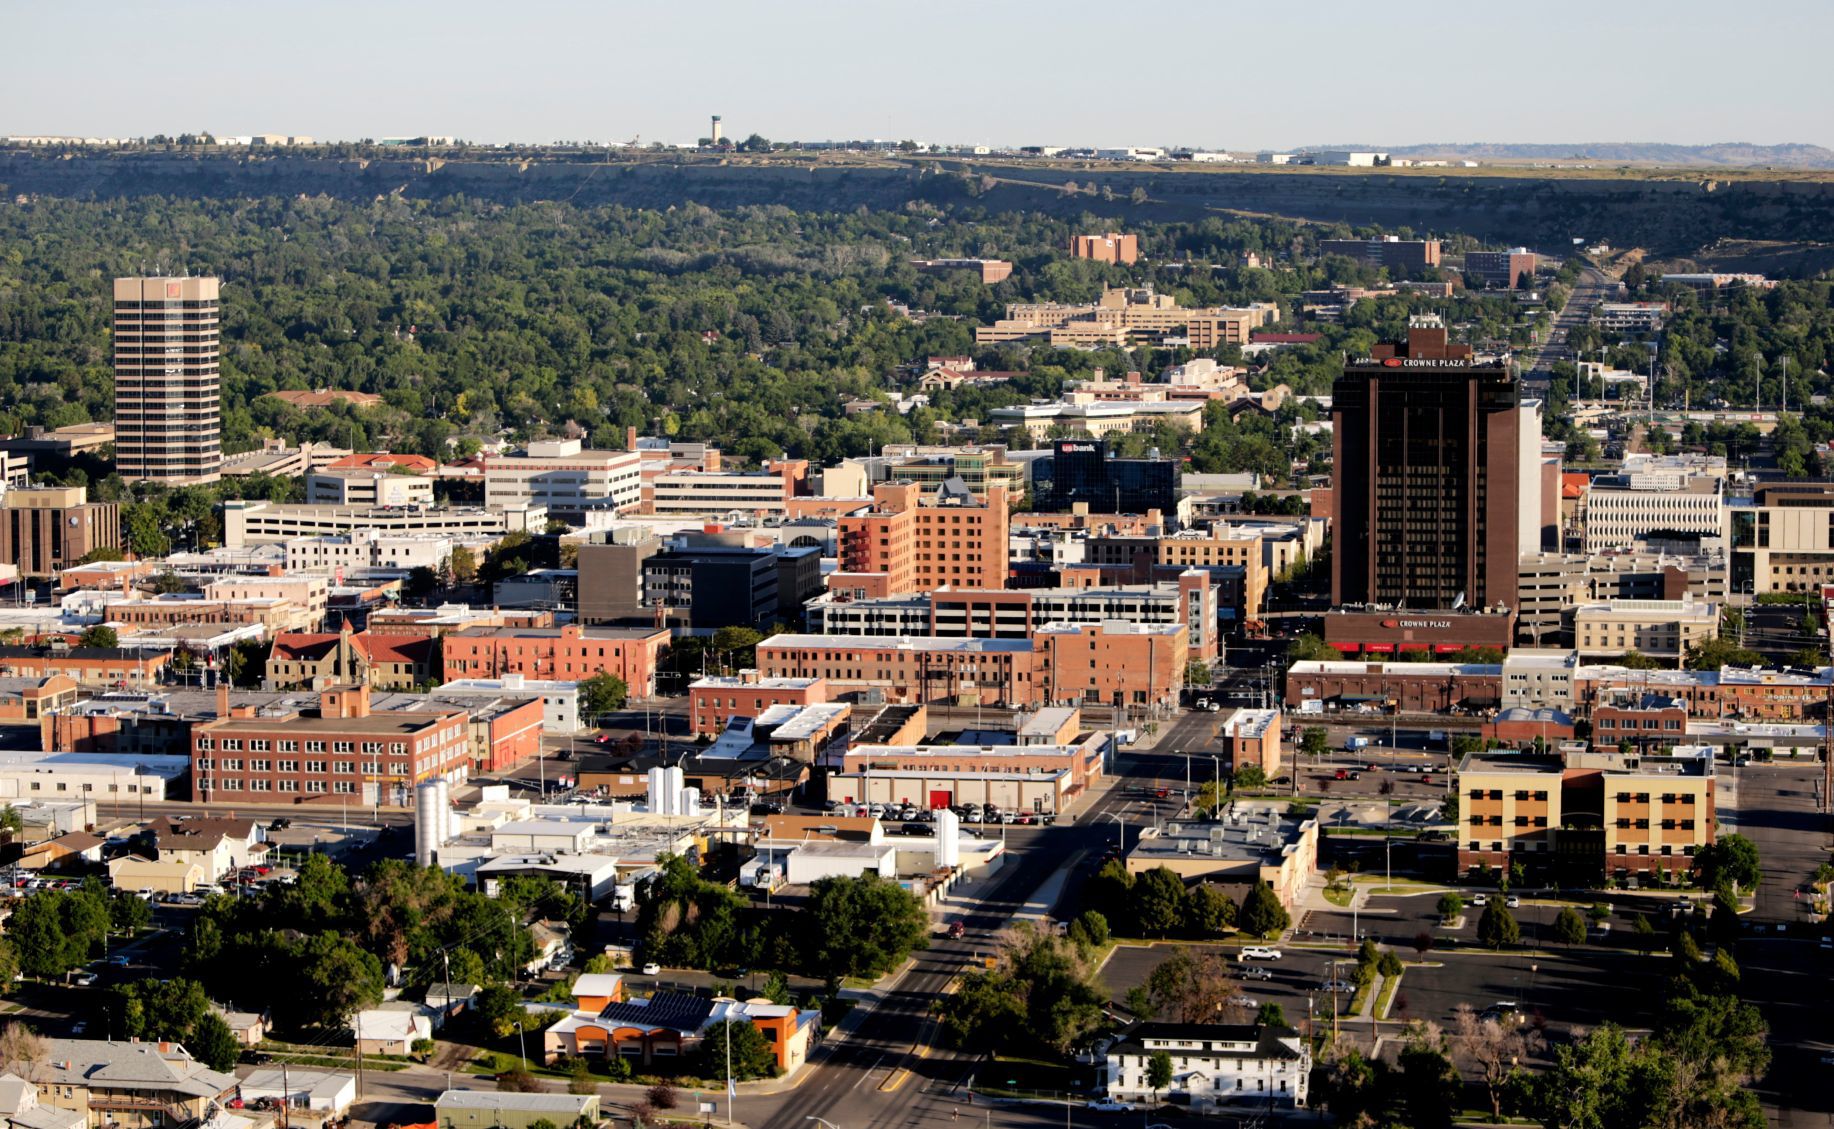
956, 930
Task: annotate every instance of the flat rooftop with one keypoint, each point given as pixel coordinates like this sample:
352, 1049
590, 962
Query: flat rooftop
1259, 835
930, 643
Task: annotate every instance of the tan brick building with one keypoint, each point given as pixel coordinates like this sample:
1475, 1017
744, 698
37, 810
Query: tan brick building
44, 529
1105, 248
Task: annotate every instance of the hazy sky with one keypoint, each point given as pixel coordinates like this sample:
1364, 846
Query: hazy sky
1223, 74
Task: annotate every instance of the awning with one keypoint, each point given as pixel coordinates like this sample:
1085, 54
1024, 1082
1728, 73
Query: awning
1415, 646
1348, 648
1448, 648
1378, 648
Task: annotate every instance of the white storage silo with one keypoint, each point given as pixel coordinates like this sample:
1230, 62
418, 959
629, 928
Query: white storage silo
948, 838
429, 822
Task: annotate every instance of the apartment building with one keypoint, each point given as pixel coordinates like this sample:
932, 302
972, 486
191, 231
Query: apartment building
558, 473
1215, 1065
361, 487
920, 669
1585, 816
909, 541
168, 421
1500, 270
45, 529
1390, 251
1657, 628
341, 749
1106, 248
567, 653
247, 523
123, 1085
1539, 679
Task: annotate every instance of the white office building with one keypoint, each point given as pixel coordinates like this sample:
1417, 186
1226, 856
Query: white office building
559, 473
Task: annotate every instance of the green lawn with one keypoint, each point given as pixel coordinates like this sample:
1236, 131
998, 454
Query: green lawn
1387, 996
1340, 895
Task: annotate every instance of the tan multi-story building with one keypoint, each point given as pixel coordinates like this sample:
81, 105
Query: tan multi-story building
1657, 628
558, 472
364, 487
1585, 815
1124, 317
750, 493
907, 543
919, 668
168, 421
44, 529
1226, 549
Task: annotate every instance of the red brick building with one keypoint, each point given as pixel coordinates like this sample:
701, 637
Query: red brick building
717, 699
1106, 248
566, 653
340, 751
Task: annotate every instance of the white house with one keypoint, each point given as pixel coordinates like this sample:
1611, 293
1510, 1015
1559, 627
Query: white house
1213, 1064
391, 1030
317, 1090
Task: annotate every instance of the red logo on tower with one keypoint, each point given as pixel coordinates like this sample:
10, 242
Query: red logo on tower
171, 289
1393, 362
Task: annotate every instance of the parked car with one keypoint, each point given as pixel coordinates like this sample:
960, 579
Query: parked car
1480, 899
1512, 901
652, 969
1254, 972
88, 979
1103, 1106
1259, 952
1337, 986
957, 930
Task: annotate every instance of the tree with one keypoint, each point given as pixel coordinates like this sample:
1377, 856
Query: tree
162, 1009
499, 1009
1270, 1015
1197, 673
863, 926
1490, 1050
463, 564
1208, 911
1428, 1079
1314, 742
601, 694
1190, 988
1569, 927
1497, 926
1734, 858
517, 1081
661, 1096
1090, 928
1308, 647
752, 1056
736, 647
100, 635
21, 1050
1250, 778
336, 980
214, 1043
1043, 990
1158, 1072
1261, 913
1158, 902
579, 1078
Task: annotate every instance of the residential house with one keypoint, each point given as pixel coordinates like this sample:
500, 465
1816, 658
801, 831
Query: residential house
175, 855
391, 1029
1213, 1064
127, 1085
